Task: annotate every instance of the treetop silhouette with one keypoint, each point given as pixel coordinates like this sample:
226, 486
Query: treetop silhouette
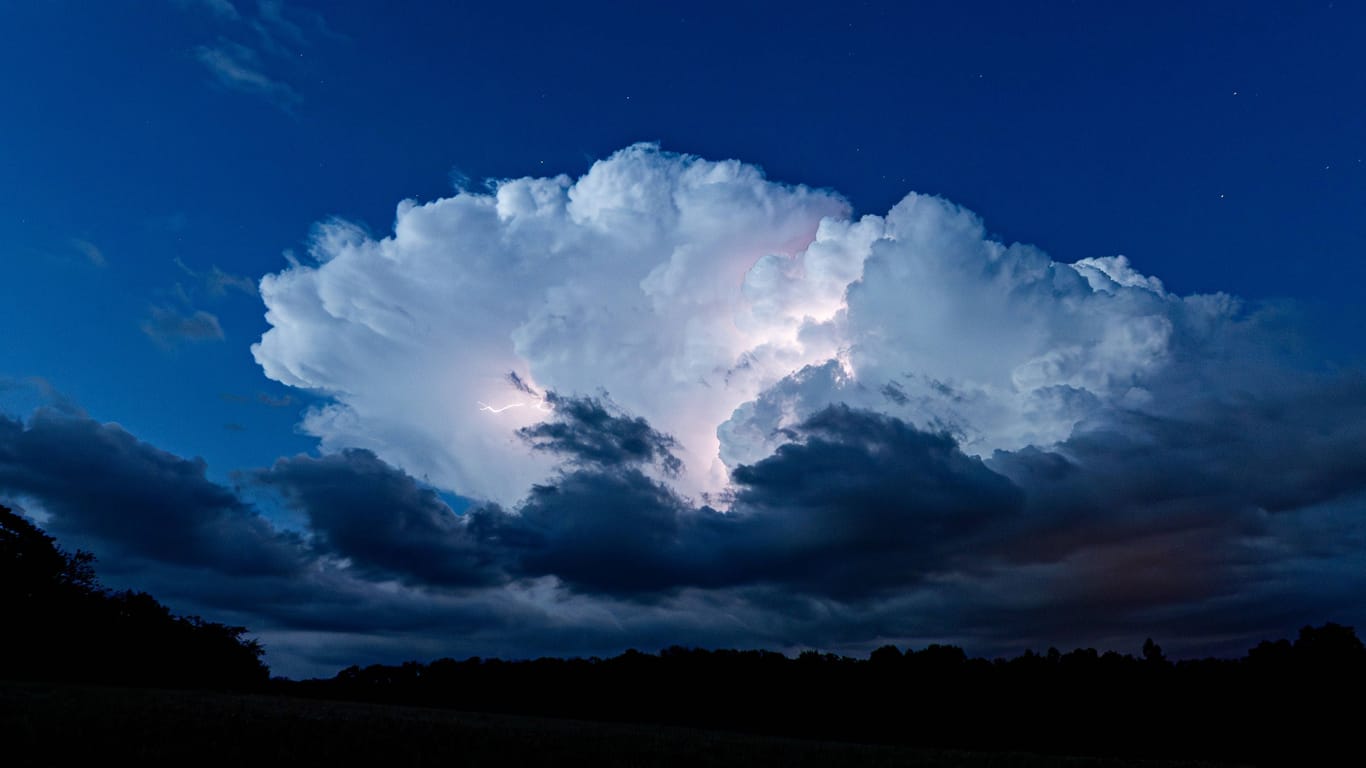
61, 624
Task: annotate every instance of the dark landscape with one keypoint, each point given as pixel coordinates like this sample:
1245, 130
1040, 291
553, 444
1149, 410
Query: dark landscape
44, 724
1283, 702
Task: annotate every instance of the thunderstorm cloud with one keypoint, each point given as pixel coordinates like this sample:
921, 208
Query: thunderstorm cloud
718, 306
673, 401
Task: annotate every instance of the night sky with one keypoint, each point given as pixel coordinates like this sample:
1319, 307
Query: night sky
451, 329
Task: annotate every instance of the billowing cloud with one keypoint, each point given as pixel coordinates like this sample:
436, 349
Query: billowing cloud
856, 504
694, 405
718, 306
998, 344
860, 530
380, 519
631, 279
859, 502
584, 432
100, 484
880, 413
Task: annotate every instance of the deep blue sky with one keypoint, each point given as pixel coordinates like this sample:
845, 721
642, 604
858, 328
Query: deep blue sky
1086, 129
1218, 145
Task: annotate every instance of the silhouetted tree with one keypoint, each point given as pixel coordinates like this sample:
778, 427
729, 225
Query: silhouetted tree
60, 624
1079, 702
32, 567
1152, 652
1329, 647
886, 656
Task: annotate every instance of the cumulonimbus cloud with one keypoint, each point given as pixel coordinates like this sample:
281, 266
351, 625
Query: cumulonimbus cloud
700, 406
719, 306
895, 420
631, 279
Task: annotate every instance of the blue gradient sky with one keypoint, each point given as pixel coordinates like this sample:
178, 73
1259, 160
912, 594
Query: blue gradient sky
147, 146
1218, 145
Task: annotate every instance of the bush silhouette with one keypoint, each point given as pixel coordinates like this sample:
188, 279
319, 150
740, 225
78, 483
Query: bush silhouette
60, 624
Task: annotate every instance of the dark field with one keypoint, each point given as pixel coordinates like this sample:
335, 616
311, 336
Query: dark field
63, 724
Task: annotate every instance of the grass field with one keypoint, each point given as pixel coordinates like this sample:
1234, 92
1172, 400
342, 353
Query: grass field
73, 725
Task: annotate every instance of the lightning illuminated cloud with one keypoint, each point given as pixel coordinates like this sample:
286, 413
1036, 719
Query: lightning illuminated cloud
540, 405
718, 305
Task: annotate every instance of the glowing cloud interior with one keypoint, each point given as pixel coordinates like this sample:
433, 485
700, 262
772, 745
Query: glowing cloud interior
718, 305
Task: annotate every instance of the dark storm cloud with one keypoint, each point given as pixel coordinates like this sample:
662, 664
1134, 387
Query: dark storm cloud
617, 532
100, 483
858, 503
520, 384
156, 523
1220, 522
1225, 519
1208, 527
895, 393
584, 432
380, 518
1237, 465
865, 527
861, 502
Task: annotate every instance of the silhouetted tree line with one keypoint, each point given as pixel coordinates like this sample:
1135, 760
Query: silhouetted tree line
61, 625
1283, 703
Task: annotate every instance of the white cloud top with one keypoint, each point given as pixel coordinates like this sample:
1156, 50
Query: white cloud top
714, 303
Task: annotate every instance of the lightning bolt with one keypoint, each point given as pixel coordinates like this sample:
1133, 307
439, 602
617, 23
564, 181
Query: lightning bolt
522, 386
540, 405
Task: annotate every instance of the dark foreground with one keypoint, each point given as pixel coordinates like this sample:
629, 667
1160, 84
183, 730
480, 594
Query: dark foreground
44, 724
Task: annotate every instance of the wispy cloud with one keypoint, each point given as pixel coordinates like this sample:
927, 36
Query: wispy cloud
222, 9
292, 28
167, 326
90, 251
261, 397
239, 68
277, 33
216, 281
220, 282
261, 46
39, 389
275, 402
